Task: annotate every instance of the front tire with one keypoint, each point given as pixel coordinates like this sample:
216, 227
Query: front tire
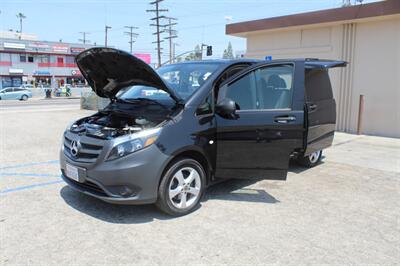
311, 160
24, 98
181, 187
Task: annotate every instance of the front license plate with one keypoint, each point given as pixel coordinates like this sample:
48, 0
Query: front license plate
72, 172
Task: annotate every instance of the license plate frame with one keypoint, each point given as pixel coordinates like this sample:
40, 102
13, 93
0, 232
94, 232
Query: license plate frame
72, 172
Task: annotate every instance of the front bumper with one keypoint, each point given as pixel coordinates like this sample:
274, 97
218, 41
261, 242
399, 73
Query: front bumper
132, 179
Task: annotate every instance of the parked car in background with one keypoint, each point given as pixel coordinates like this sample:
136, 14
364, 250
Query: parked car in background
168, 134
27, 86
15, 93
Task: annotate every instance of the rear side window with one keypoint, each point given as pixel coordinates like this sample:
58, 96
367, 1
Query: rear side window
318, 85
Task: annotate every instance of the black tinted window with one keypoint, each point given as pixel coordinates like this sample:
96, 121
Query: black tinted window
243, 92
318, 85
274, 87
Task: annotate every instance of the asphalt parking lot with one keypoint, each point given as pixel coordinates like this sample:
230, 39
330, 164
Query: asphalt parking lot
344, 211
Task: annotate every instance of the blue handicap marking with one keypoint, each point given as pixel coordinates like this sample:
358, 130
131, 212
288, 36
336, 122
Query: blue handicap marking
8, 190
22, 174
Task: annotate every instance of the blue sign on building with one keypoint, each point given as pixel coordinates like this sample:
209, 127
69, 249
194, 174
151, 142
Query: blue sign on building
41, 73
268, 57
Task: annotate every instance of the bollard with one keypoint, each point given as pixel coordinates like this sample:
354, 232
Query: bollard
360, 114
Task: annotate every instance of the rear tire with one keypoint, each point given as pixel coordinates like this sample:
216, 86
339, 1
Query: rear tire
181, 187
24, 97
311, 160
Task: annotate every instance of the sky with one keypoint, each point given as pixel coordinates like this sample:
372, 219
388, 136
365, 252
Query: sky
199, 21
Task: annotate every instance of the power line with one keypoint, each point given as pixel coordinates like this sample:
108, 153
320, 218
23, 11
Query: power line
157, 10
131, 35
172, 34
84, 40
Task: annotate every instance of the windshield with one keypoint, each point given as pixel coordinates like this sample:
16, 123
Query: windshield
183, 79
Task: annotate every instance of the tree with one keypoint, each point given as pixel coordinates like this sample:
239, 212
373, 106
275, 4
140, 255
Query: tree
228, 52
20, 16
196, 55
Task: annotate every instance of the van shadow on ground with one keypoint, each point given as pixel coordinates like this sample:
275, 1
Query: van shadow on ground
231, 190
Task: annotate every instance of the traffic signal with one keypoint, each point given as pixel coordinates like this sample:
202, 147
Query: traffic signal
209, 50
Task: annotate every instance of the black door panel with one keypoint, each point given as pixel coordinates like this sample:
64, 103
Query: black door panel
255, 145
258, 142
320, 109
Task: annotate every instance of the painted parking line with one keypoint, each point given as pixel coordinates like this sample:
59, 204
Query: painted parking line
28, 164
27, 174
17, 174
5, 191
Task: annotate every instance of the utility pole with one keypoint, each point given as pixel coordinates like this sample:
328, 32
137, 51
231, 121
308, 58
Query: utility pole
84, 40
131, 35
21, 17
106, 32
171, 35
157, 10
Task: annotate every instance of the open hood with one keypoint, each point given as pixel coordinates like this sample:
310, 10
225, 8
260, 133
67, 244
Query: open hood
108, 70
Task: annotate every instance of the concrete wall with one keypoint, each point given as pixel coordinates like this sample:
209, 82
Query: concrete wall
373, 49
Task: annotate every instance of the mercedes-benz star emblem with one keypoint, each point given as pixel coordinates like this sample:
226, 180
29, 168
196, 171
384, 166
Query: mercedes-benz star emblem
75, 147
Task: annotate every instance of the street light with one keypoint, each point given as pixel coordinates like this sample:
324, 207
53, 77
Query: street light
21, 17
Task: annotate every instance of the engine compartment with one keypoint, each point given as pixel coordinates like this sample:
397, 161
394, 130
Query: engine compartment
112, 124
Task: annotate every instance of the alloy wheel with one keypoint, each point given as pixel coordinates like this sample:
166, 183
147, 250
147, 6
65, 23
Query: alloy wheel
184, 187
314, 156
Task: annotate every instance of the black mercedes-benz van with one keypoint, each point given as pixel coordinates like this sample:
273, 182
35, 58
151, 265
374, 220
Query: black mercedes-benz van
168, 134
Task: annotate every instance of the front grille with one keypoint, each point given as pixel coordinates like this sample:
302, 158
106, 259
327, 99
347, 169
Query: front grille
89, 151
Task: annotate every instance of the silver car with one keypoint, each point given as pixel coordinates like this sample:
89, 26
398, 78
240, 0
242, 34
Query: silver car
15, 93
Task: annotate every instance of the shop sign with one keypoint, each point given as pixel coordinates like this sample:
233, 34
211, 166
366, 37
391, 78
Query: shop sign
76, 73
13, 45
60, 48
41, 73
38, 45
77, 50
16, 71
145, 57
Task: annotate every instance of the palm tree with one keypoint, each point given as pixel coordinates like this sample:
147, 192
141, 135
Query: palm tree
21, 17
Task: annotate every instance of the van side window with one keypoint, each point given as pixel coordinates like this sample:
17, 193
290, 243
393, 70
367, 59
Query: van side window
274, 87
243, 92
318, 85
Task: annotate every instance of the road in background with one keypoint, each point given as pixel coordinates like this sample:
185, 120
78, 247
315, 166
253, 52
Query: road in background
36, 104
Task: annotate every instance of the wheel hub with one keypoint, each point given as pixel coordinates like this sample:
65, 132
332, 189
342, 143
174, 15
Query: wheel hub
184, 187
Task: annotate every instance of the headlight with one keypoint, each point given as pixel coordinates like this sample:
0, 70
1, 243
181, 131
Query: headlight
70, 125
137, 142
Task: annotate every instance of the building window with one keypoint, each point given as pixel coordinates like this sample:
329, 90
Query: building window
44, 59
30, 58
22, 58
69, 59
60, 60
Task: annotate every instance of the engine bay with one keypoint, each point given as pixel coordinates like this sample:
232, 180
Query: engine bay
108, 125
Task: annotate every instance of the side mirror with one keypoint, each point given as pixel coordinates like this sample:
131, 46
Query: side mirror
226, 107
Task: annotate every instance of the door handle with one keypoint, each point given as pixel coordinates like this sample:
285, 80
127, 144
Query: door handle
312, 107
285, 119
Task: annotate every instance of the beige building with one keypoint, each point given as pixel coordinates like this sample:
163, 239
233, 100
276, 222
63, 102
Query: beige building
367, 36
